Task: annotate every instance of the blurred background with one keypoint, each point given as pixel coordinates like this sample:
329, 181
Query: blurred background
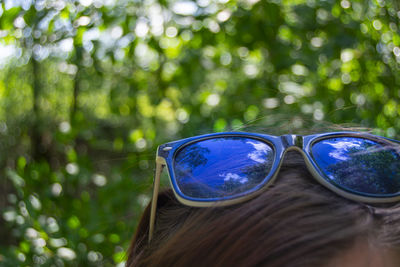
89, 88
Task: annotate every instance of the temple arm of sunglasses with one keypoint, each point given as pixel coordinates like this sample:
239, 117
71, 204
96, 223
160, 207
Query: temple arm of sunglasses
160, 163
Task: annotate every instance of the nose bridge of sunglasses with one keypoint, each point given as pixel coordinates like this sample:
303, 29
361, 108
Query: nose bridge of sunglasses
290, 140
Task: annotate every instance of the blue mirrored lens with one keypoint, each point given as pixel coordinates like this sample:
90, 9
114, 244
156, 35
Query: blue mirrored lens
359, 164
222, 167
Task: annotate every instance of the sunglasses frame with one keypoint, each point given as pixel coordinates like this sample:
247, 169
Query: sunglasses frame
281, 145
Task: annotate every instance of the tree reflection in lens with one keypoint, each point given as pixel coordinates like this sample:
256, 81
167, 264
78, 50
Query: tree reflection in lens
222, 167
359, 164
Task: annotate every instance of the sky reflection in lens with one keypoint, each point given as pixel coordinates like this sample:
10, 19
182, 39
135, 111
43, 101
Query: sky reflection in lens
359, 164
222, 166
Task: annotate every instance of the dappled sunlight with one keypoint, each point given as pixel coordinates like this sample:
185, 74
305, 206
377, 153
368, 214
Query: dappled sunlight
90, 88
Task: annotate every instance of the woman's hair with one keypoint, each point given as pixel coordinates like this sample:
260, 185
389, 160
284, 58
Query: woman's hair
296, 222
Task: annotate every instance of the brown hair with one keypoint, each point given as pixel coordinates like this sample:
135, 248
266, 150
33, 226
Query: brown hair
296, 222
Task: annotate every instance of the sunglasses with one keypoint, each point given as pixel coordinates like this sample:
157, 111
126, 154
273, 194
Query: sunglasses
232, 167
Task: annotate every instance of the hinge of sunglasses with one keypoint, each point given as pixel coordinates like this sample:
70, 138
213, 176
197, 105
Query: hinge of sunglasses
161, 161
167, 148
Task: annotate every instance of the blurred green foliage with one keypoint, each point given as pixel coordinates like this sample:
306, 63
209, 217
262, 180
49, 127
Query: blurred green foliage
89, 88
